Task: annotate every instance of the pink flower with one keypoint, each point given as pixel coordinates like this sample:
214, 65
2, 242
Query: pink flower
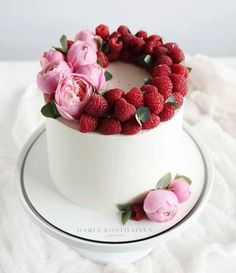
88, 37
81, 54
51, 56
181, 189
49, 76
72, 95
95, 72
160, 205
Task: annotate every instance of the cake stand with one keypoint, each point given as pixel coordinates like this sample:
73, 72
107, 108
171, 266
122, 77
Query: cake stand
100, 236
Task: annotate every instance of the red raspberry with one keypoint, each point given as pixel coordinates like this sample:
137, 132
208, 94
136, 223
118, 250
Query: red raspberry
153, 122
113, 95
123, 30
176, 54
102, 31
115, 34
113, 56
141, 34
97, 106
103, 58
134, 97
148, 48
87, 123
109, 126
161, 70
137, 212
148, 88
152, 38
115, 45
126, 56
164, 59
130, 127
178, 98
159, 51
154, 101
136, 44
164, 85
69, 43
179, 84
167, 112
123, 110
127, 40
170, 45
179, 69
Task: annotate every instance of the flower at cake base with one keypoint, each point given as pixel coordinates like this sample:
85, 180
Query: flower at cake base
96, 74
51, 56
181, 189
81, 54
49, 76
160, 205
72, 95
88, 37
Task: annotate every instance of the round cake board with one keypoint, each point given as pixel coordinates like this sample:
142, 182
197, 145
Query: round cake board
100, 236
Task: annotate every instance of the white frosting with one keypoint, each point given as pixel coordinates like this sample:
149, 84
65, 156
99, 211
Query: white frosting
98, 171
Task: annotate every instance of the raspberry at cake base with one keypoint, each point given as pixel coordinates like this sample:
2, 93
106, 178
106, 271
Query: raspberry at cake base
114, 108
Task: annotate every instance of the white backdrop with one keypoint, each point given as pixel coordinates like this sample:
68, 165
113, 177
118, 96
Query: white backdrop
27, 27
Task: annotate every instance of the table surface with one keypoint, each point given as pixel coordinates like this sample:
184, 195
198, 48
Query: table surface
210, 109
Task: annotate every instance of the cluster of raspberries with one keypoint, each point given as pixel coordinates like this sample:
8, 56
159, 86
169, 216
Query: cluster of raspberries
114, 112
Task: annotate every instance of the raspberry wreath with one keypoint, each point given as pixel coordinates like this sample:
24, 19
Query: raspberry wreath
73, 80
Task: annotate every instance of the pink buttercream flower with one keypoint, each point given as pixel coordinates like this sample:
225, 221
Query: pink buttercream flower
72, 95
51, 56
160, 205
49, 76
81, 54
88, 37
180, 188
95, 72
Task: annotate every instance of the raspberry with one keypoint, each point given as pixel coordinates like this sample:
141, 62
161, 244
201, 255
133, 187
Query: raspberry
148, 88
87, 123
164, 59
170, 45
115, 45
141, 34
136, 44
161, 70
164, 85
159, 51
130, 127
123, 110
154, 101
178, 98
179, 84
148, 48
109, 126
123, 30
152, 38
137, 212
179, 69
167, 112
103, 58
113, 56
97, 106
134, 97
102, 31
115, 34
126, 56
127, 40
69, 43
176, 54
153, 122
113, 95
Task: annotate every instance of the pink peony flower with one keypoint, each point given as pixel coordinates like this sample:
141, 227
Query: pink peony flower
81, 54
72, 95
88, 37
181, 189
95, 72
51, 56
160, 205
49, 76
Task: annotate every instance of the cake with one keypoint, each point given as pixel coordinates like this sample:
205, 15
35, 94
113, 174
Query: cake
114, 108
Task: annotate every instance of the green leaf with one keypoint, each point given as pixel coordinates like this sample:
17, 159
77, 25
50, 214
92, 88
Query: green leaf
145, 60
108, 76
100, 43
59, 49
105, 47
126, 215
123, 207
142, 114
164, 181
172, 100
147, 81
49, 110
99, 61
189, 69
187, 179
63, 42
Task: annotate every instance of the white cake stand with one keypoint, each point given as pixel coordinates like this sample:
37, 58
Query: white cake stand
100, 236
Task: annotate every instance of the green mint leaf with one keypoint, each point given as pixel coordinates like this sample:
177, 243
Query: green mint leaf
187, 179
123, 207
164, 181
126, 215
147, 81
105, 47
189, 69
172, 100
63, 42
142, 114
108, 76
59, 49
49, 110
145, 60
100, 43
99, 61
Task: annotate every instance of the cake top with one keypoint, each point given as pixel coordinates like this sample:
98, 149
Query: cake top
113, 83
